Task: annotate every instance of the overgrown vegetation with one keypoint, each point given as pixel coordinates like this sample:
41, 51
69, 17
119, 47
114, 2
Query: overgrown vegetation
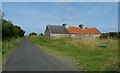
11, 36
8, 46
9, 30
84, 52
0, 52
32, 34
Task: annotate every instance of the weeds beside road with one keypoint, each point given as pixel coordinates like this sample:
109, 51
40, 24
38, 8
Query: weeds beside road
84, 52
8, 46
0, 52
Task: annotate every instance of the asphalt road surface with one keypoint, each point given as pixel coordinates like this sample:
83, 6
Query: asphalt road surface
28, 57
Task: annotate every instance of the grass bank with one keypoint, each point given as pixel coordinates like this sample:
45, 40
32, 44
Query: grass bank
0, 51
84, 52
8, 46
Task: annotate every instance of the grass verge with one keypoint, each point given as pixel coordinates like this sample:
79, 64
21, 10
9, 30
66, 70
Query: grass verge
0, 52
8, 46
84, 52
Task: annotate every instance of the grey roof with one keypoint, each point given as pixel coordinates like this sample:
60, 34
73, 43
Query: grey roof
58, 29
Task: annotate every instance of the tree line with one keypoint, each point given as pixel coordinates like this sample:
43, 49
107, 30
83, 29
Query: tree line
114, 35
10, 30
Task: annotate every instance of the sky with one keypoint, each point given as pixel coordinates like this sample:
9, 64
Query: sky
60, 0
34, 16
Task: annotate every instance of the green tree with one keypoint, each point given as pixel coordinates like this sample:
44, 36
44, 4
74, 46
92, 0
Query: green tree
33, 33
9, 30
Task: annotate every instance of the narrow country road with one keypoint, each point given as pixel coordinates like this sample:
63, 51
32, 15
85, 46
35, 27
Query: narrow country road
28, 57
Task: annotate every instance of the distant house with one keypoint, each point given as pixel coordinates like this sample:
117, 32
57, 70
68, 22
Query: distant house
71, 31
82, 31
56, 31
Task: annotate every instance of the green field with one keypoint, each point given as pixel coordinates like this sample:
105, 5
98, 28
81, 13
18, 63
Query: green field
84, 52
8, 46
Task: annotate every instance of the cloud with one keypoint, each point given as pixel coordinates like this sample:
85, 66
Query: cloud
69, 18
100, 9
69, 8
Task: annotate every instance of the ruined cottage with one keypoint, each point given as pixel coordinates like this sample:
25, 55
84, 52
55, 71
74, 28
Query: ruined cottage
56, 31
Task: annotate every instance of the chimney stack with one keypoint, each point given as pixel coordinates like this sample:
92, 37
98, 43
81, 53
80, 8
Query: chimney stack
81, 26
65, 25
